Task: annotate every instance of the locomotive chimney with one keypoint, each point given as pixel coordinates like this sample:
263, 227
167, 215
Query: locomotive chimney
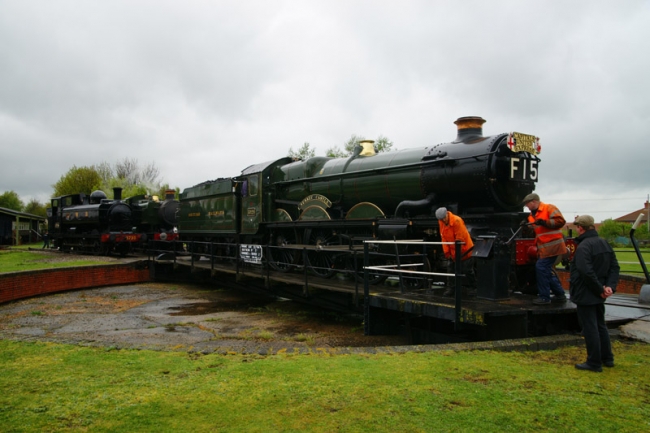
117, 193
469, 128
368, 147
169, 194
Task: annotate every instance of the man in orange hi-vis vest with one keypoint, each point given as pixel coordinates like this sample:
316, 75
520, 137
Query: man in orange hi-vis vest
452, 229
548, 222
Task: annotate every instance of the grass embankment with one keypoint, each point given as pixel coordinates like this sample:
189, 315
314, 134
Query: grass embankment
22, 260
55, 387
629, 261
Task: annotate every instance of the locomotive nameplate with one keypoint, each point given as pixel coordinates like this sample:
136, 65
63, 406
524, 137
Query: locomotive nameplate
315, 199
250, 253
518, 142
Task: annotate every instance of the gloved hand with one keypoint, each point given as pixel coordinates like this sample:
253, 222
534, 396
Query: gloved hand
541, 222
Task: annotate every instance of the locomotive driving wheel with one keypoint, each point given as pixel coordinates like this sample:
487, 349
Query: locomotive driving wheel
319, 261
97, 249
282, 258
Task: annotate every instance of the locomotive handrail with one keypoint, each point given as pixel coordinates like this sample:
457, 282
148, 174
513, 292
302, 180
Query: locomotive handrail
413, 241
387, 268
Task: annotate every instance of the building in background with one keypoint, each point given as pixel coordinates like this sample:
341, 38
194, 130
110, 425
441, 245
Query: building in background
631, 217
18, 228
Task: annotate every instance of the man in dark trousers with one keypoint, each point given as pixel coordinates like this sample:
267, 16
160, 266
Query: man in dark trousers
547, 220
46, 240
452, 229
594, 276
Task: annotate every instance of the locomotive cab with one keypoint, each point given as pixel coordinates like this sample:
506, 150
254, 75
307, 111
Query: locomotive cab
257, 196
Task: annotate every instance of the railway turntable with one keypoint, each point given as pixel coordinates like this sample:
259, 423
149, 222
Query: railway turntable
423, 313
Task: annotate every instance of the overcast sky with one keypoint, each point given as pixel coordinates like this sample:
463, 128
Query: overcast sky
205, 88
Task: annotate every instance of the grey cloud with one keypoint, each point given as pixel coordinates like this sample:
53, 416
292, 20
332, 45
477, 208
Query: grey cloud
206, 88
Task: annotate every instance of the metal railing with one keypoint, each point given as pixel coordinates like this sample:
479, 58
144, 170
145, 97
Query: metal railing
405, 267
397, 268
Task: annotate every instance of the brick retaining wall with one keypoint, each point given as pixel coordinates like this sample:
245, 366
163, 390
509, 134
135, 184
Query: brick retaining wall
627, 284
19, 285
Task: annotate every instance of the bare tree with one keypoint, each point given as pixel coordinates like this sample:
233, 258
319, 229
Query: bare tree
149, 174
105, 171
127, 169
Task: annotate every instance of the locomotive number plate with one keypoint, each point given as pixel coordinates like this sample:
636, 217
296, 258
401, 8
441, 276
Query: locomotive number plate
131, 238
524, 169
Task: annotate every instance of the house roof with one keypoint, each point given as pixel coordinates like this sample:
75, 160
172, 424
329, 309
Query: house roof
632, 216
12, 212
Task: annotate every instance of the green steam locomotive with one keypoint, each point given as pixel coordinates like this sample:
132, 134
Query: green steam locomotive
329, 206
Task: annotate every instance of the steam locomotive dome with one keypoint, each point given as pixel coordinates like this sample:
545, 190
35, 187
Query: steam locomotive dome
168, 212
482, 173
97, 196
119, 217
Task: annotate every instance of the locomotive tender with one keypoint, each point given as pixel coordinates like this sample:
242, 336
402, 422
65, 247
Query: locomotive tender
329, 206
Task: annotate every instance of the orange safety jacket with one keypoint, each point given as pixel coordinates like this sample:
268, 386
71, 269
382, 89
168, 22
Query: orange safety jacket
550, 240
455, 231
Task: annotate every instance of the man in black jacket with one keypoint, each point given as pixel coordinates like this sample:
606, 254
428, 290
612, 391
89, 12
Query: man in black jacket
594, 276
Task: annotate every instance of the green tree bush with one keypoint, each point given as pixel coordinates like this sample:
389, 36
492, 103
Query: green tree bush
304, 152
127, 174
35, 207
11, 200
78, 180
610, 230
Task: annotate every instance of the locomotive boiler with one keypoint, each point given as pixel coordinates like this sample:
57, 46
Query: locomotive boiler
330, 206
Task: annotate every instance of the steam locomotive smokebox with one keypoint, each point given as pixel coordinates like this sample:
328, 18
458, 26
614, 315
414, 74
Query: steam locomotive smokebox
492, 269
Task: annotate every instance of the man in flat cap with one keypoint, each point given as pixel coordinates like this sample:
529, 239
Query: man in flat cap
547, 221
452, 229
594, 276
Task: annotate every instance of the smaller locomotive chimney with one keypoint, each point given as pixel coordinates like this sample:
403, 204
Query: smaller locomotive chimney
169, 194
469, 128
117, 193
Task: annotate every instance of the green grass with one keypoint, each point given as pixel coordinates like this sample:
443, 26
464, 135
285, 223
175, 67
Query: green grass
629, 255
629, 261
15, 261
27, 246
55, 387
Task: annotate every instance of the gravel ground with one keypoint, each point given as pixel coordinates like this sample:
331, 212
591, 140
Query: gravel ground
183, 317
